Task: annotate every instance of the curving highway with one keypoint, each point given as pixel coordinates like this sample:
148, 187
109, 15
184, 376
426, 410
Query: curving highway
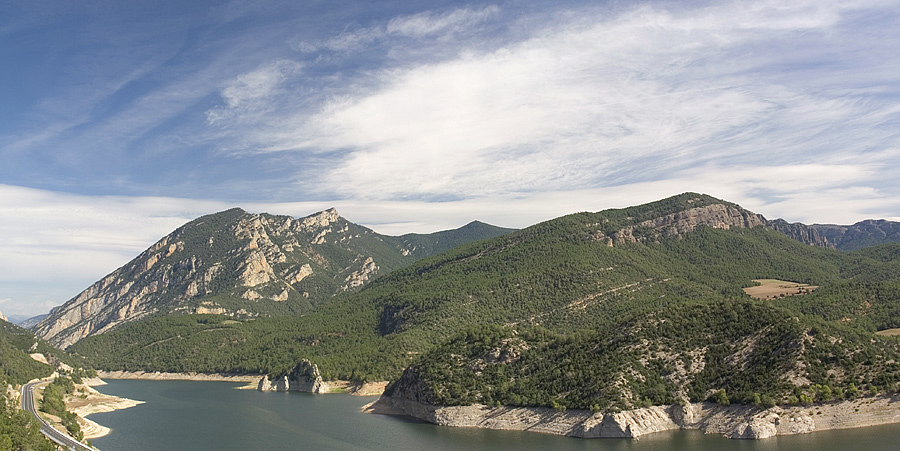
46, 429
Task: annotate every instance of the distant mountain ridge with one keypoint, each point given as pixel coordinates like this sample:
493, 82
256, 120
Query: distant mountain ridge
870, 232
423, 245
245, 265
29, 322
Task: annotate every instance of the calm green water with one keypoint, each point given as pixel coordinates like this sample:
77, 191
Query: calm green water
182, 415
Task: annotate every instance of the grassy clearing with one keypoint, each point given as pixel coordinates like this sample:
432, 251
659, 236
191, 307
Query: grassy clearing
774, 288
888, 332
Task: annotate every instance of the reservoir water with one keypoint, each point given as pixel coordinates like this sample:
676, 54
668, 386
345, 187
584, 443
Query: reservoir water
186, 415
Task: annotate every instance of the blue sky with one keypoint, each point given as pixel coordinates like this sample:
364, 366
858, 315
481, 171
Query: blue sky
120, 121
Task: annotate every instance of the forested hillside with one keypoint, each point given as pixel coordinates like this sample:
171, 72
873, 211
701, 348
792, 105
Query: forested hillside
18, 429
16, 366
726, 351
583, 280
423, 245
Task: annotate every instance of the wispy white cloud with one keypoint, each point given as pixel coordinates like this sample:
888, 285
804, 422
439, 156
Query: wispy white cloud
420, 25
253, 93
428, 23
352, 39
586, 100
582, 102
133, 97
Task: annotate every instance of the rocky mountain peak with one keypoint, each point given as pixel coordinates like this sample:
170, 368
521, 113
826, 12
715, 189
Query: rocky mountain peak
322, 219
234, 263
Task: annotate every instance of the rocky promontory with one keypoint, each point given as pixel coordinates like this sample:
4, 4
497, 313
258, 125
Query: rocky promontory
733, 421
305, 377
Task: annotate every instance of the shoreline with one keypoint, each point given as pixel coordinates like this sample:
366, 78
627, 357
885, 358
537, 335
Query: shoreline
87, 401
251, 381
161, 376
735, 421
355, 388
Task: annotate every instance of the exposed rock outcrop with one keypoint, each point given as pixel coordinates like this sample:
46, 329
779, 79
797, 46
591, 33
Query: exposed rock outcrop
800, 232
358, 278
252, 260
719, 216
158, 376
305, 377
735, 421
218, 254
628, 424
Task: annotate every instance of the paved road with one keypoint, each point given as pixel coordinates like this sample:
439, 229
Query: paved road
46, 429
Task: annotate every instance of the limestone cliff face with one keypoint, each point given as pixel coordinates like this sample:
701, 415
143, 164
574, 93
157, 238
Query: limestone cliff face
734, 421
726, 216
257, 260
305, 377
801, 232
719, 216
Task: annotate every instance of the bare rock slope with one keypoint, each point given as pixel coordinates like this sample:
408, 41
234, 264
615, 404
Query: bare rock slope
240, 264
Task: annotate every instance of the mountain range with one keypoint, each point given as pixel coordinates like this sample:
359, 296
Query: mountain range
866, 233
651, 297
245, 265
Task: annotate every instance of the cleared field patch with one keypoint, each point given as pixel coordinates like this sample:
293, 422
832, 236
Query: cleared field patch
774, 288
888, 332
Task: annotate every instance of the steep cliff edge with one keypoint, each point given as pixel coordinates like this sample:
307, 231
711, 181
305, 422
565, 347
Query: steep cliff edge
698, 209
715, 215
801, 232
